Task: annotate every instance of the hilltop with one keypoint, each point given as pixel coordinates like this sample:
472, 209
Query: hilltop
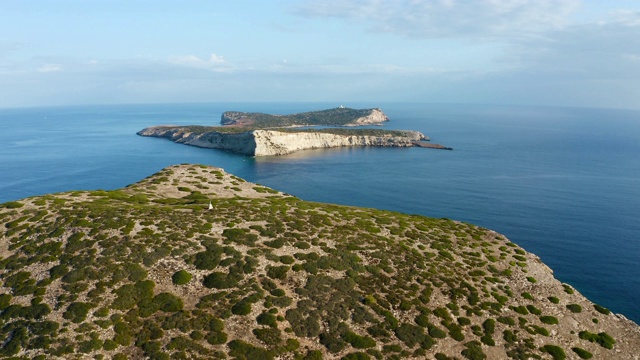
340, 116
149, 272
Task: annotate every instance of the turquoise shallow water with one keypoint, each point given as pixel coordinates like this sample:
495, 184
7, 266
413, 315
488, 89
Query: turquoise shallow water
564, 183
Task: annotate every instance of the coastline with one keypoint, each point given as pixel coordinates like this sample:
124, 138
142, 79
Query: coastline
259, 142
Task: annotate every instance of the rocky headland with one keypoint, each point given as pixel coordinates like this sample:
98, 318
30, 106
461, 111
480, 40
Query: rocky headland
195, 263
274, 142
258, 134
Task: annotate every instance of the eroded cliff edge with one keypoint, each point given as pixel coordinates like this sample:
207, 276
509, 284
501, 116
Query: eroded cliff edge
281, 142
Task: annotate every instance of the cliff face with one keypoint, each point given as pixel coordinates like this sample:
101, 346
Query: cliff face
375, 117
242, 143
271, 142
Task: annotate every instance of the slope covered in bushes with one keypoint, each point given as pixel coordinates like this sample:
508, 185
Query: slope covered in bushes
149, 271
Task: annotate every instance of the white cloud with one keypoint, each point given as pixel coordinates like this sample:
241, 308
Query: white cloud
627, 17
213, 63
216, 59
449, 18
47, 68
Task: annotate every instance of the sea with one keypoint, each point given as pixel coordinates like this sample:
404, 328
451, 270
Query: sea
563, 183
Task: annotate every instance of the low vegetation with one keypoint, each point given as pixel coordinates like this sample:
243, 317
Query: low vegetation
149, 272
331, 117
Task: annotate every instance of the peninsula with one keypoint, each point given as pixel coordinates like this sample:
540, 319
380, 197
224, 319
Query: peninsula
196, 263
258, 134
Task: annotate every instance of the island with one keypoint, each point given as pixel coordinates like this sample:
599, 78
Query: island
196, 263
258, 134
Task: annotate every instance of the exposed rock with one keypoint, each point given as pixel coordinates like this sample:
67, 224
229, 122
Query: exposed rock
375, 117
272, 142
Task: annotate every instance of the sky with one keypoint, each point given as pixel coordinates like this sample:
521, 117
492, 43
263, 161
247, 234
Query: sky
582, 53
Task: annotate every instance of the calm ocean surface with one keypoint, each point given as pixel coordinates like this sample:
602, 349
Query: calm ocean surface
563, 183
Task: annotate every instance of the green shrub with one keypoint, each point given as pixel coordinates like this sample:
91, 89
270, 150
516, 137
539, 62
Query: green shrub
136, 272
554, 299
240, 236
267, 319
357, 341
436, 332
356, 356
604, 339
313, 355
534, 310
568, 289
489, 326
287, 259
527, 296
5, 301
509, 336
58, 271
473, 351
550, 320
243, 307
555, 351
109, 345
208, 259
220, 280
574, 308
167, 302
181, 277
506, 320
77, 312
277, 272
521, 310
582, 353
601, 310
269, 336
216, 337
410, 334
13, 205
243, 350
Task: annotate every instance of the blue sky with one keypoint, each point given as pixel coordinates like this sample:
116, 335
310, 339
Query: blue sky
540, 52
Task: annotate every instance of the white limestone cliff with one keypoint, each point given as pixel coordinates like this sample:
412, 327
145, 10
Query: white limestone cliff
375, 117
271, 142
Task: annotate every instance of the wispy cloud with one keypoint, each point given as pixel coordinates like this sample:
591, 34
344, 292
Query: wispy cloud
448, 18
47, 68
213, 63
627, 17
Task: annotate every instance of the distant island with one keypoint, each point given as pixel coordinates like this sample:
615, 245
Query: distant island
196, 263
259, 134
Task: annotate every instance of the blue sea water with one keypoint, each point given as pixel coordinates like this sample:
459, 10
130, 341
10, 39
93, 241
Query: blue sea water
564, 183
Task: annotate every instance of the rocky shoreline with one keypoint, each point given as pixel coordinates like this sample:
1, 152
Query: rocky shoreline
274, 142
259, 134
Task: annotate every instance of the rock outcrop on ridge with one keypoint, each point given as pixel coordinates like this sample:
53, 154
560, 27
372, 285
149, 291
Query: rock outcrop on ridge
195, 263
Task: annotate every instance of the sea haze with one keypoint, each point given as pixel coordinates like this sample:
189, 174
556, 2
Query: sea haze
563, 183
